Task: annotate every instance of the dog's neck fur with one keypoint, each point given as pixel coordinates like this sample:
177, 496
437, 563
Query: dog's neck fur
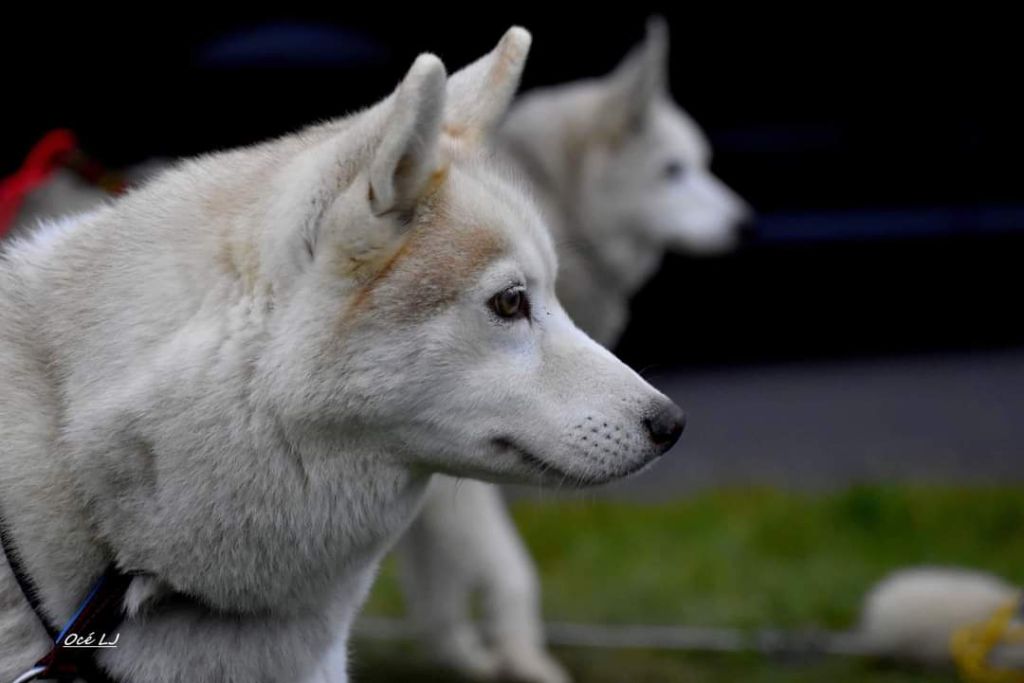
598, 261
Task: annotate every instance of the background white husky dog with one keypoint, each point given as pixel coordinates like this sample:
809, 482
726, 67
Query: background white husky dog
622, 173
239, 379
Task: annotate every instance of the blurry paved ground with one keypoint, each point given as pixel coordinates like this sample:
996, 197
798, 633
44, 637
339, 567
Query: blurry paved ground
937, 418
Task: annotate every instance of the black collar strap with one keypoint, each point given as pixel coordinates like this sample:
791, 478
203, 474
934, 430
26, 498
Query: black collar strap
98, 615
25, 583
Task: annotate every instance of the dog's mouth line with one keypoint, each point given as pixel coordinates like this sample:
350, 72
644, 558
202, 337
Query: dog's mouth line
544, 467
638, 467
537, 463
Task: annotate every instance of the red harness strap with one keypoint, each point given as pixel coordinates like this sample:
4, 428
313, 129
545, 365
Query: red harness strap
55, 149
44, 157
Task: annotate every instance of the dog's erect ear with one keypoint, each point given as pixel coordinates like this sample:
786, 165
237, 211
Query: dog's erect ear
637, 82
408, 150
479, 94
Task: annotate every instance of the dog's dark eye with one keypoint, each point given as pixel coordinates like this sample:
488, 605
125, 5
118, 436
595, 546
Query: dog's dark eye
673, 170
510, 303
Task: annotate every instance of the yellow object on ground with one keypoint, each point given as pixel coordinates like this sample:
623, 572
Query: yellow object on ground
972, 646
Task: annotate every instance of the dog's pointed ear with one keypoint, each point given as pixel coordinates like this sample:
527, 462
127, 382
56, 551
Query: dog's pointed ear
408, 151
480, 94
637, 82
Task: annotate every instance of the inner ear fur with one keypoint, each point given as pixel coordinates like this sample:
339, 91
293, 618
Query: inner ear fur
408, 152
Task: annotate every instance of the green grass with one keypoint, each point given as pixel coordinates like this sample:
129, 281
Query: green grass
749, 559
388, 663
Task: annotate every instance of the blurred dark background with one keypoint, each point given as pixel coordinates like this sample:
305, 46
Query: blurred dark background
882, 151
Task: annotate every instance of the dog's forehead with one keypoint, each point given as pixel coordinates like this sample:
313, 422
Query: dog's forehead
675, 131
491, 198
474, 218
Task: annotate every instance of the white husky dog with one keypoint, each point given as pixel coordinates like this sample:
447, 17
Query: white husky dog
622, 173
239, 379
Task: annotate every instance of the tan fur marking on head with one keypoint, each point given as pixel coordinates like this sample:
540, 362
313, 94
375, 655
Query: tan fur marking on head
429, 270
438, 268
378, 274
366, 265
362, 263
434, 183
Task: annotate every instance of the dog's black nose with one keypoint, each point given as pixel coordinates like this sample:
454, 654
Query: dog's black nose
665, 425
